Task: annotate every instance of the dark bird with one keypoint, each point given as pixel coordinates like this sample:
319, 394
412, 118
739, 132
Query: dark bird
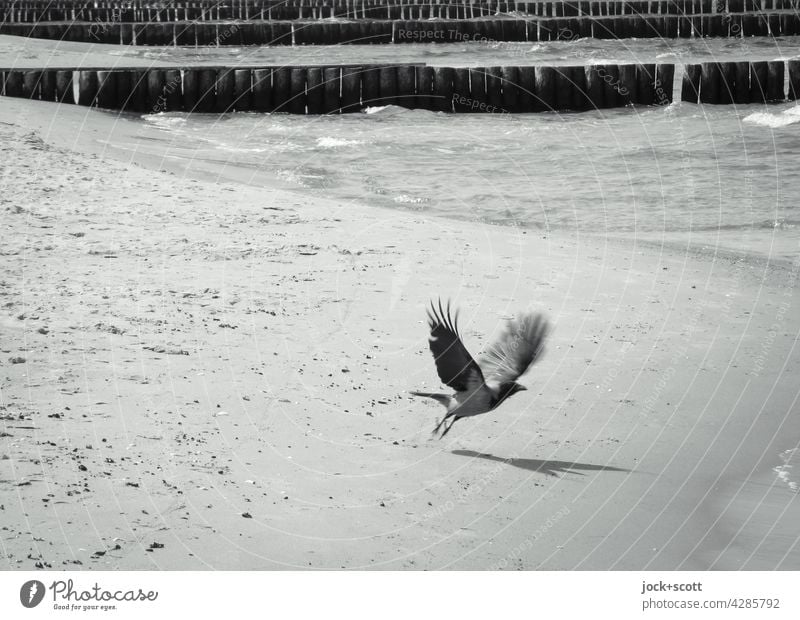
481, 387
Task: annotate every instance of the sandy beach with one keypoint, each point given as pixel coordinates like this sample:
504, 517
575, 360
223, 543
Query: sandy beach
202, 374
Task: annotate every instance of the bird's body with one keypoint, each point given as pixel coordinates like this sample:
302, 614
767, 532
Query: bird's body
480, 388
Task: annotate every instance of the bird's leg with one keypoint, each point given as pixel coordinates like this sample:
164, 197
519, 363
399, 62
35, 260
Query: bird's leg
439, 425
447, 430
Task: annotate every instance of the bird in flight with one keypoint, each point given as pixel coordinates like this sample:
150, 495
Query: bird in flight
481, 386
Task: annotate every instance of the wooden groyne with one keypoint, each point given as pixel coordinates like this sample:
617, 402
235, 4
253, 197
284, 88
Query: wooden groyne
741, 82
210, 10
369, 31
348, 88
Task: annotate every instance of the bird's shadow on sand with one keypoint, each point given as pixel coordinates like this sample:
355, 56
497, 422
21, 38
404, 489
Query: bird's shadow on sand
549, 468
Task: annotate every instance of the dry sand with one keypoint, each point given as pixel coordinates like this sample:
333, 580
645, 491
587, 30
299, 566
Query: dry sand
209, 375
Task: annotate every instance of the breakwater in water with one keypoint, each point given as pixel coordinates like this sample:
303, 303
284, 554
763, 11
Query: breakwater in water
370, 31
350, 88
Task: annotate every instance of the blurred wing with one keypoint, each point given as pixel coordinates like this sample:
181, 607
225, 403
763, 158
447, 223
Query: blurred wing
519, 346
454, 364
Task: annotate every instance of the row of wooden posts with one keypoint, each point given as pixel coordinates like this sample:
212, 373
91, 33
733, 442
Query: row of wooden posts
13, 12
741, 82
349, 88
335, 89
411, 31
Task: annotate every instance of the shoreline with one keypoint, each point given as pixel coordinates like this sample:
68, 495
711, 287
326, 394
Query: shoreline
256, 360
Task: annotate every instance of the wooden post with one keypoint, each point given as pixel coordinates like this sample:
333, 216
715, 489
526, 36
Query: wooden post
156, 102
758, 82
665, 78
511, 92
281, 87
494, 88
315, 90
191, 85
351, 89
594, 86
564, 89
580, 98
775, 78
262, 90
709, 83
477, 98
13, 84
387, 85
727, 83
49, 89
242, 90
628, 85
406, 89
30, 84
87, 87
331, 85
443, 89
424, 79
297, 93
742, 81
206, 91
370, 87
645, 84
546, 87
794, 80
527, 89
611, 86
690, 85
107, 90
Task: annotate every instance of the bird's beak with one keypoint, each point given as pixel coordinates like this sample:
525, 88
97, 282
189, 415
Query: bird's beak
522, 388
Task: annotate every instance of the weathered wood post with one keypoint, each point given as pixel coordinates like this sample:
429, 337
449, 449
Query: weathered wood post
87, 87
794, 79
242, 90
443, 89
351, 89
628, 83
665, 78
511, 92
758, 82
546, 87
742, 80
191, 85
107, 97
775, 78
315, 90
690, 84
594, 86
406, 88
332, 83
225, 80
387, 85
262, 90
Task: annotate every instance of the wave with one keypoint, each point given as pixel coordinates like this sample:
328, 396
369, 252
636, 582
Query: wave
775, 121
785, 472
327, 142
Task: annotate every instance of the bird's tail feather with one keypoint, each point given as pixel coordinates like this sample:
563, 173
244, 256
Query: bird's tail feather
442, 398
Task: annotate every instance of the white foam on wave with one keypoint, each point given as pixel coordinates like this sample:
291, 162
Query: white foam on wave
374, 109
405, 199
327, 142
786, 472
775, 121
165, 119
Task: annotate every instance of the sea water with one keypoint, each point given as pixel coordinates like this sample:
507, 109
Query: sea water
725, 175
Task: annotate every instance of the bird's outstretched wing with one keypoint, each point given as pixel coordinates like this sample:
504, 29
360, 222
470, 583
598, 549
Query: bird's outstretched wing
454, 364
519, 346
